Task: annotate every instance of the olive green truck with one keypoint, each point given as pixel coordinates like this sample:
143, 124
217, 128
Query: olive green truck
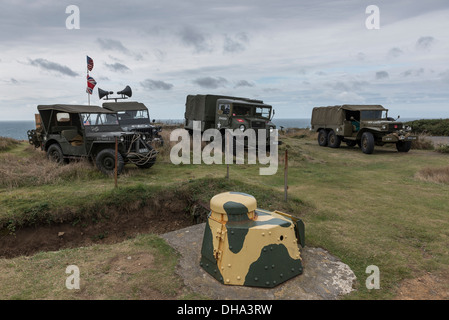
363, 125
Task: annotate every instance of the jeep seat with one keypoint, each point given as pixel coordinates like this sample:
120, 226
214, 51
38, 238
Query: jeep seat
73, 137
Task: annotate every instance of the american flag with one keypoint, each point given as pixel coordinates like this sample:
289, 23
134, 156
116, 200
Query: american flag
91, 83
90, 63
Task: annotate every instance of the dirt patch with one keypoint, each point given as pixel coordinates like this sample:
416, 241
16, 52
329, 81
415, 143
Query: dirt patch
426, 287
155, 217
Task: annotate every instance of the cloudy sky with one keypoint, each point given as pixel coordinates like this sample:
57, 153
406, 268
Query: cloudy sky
292, 54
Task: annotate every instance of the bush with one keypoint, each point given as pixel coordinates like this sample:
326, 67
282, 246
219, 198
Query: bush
443, 148
433, 127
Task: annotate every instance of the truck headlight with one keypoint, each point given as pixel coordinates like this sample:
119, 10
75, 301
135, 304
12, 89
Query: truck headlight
271, 129
242, 127
122, 139
384, 127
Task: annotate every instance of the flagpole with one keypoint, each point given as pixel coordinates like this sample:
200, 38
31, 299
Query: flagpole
88, 95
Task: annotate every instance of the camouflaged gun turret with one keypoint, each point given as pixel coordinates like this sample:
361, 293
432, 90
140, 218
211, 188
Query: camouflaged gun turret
244, 245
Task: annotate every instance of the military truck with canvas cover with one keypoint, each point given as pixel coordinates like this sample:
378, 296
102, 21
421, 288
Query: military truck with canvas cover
364, 125
225, 112
134, 117
79, 131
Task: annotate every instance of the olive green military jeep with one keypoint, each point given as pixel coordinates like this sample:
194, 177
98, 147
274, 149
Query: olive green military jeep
79, 131
363, 125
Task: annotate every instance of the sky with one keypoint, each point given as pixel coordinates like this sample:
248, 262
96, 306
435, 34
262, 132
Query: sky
292, 54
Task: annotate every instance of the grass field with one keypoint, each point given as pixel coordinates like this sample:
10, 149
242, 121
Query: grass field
387, 209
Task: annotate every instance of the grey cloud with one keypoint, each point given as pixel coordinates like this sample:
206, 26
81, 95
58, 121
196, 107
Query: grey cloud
424, 43
349, 86
243, 83
411, 72
53, 66
149, 84
117, 67
211, 83
382, 75
114, 45
194, 38
235, 44
394, 53
14, 81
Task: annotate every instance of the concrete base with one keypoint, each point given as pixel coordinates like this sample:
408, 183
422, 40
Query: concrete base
324, 276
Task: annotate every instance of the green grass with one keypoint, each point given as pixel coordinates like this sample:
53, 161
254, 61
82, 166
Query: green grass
364, 209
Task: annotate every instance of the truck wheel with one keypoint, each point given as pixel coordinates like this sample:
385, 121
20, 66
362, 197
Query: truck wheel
334, 141
367, 143
105, 161
322, 138
54, 153
403, 146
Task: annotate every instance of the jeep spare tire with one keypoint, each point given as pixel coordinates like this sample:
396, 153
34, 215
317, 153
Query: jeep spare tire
367, 143
105, 161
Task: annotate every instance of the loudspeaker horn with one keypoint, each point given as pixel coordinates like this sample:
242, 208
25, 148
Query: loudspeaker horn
102, 93
127, 92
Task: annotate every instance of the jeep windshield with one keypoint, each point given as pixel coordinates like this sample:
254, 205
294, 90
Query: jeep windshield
373, 114
99, 119
131, 117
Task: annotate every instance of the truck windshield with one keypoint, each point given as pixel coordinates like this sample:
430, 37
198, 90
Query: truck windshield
241, 110
99, 119
371, 114
263, 112
133, 115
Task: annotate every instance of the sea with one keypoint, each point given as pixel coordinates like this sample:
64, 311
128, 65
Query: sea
18, 129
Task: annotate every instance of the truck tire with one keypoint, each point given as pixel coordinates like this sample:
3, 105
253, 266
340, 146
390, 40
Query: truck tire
367, 143
403, 146
54, 153
105, 161
322, 138
333, 140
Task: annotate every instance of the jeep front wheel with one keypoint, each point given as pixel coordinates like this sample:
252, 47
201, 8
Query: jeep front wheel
403, 146
105, 161
367, 143
333, 140
322, 138
54, 153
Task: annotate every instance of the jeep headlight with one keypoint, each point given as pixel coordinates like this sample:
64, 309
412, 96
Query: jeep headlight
122, 139
271, 129
384, 127
242, 127
144, 137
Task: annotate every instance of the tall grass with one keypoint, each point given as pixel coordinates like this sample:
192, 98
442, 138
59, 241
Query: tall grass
35, 170
7, 143
438, 175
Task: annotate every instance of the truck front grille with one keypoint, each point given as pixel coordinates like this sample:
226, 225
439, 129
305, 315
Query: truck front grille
258, 124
